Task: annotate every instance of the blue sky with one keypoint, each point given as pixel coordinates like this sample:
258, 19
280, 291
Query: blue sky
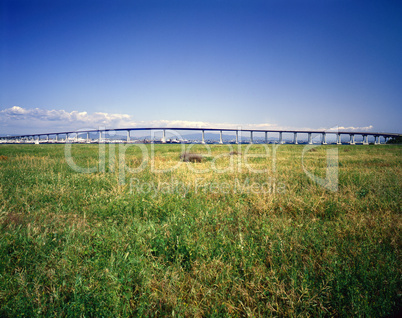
302, 64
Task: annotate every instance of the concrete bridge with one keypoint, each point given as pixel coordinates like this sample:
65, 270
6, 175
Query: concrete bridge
72, 136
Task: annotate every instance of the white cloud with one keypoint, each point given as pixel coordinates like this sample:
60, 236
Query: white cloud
19, 120
351, 128
59, 120
30, 120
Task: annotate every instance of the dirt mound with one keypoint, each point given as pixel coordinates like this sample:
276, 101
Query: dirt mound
232, 153
191, 157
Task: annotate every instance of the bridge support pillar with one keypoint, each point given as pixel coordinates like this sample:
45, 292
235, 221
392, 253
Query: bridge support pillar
365, 140
87, 137
324, 138
338, 139
351, 139
128, 136
237, 136
57, 137
295, 138
100, 136
251, 137
310, 139
164, 136
266, 137
280, 138
220, 137
203, 136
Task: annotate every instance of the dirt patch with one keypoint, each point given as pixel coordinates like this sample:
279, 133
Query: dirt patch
3, 158
13, 219
191, 157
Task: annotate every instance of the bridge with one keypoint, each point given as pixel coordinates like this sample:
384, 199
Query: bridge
57, 137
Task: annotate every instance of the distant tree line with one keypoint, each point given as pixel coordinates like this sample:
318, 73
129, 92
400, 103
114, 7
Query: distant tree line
395, 140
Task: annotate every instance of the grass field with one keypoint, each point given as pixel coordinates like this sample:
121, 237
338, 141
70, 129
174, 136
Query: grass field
221, 238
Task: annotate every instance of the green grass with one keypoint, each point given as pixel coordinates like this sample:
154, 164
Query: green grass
200, 242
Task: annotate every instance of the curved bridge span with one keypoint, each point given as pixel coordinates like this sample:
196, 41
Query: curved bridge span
74, 136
